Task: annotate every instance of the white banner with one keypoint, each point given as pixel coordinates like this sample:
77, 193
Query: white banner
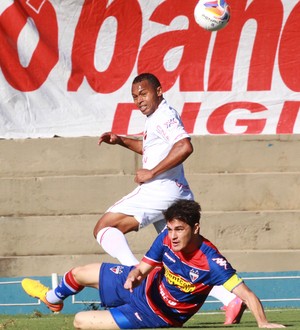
67, 66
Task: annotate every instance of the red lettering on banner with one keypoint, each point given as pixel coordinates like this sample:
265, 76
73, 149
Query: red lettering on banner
45, 56
264, 50
126, 46
289, 51
216, 121
189, 115
288, 117
122, 118
124, 110
266, 43
36, 5
194, 40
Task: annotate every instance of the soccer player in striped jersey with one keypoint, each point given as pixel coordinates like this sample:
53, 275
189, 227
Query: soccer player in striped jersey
166, 289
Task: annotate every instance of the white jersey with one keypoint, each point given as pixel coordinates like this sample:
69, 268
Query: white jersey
147, 202
162, 130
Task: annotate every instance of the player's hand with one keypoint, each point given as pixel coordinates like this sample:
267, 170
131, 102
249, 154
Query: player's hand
143, 175
108, 137
271, 325
133, 280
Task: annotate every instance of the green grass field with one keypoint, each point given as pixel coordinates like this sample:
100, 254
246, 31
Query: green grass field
289, 317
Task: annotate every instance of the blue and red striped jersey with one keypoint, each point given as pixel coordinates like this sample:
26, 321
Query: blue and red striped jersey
180, 283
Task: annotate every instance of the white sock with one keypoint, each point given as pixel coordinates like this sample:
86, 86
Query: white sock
52, 297
113, 242
220, 293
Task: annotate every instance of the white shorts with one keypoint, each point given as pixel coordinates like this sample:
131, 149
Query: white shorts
147, 201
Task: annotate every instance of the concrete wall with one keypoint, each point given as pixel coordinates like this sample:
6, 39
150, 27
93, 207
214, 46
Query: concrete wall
52, 192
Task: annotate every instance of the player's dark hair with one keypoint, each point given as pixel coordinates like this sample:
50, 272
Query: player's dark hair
153, 80
185, 210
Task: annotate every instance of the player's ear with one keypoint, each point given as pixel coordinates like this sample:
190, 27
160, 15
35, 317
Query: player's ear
159, 91
197, 228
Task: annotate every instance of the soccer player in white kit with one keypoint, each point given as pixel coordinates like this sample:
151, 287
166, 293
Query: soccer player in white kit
164, 147
161, 180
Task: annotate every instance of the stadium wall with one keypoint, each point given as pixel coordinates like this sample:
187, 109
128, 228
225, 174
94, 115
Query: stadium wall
52, 192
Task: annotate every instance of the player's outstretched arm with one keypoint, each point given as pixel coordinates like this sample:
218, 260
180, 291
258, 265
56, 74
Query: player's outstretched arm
180, 151
255, 306
129, 143
137, 275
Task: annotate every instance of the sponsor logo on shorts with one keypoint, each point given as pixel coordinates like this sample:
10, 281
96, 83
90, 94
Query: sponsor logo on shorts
117, 269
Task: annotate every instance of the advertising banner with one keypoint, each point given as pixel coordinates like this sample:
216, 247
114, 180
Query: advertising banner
67, 66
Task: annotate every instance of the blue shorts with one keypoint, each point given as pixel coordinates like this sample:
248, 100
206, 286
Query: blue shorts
129, 310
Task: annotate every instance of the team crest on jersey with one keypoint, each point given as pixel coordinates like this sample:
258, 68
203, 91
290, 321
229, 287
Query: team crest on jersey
117, 269
194, 274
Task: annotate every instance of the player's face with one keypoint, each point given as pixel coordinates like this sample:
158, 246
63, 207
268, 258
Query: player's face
146, 97
183, 237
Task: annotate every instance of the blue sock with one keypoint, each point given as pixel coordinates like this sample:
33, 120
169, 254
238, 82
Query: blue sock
67, 286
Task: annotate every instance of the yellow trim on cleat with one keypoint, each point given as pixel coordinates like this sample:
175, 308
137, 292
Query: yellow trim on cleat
37, 290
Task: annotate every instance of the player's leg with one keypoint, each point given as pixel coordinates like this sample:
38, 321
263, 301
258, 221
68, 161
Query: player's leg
109, 232
143, 206
128, 214
72, 282
234, 307
125, 223
220, 293
111, 280
95, 320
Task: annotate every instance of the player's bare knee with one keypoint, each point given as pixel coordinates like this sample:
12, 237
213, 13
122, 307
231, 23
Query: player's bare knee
96, 229
102, 223
76, 270
78, 321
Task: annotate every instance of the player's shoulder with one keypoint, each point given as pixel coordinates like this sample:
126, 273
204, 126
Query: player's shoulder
165, 110
208, 247
215, 259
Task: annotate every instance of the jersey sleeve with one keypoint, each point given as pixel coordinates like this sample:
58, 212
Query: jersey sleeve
220, 269
233, 282
171, 128
155, 254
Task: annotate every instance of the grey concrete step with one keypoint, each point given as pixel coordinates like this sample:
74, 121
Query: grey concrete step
63, 156
62, 235
252, 241
244, 154
212, 154
52, 192
93, 194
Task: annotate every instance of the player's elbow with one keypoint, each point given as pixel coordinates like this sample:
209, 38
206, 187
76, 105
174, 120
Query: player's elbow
189, 149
